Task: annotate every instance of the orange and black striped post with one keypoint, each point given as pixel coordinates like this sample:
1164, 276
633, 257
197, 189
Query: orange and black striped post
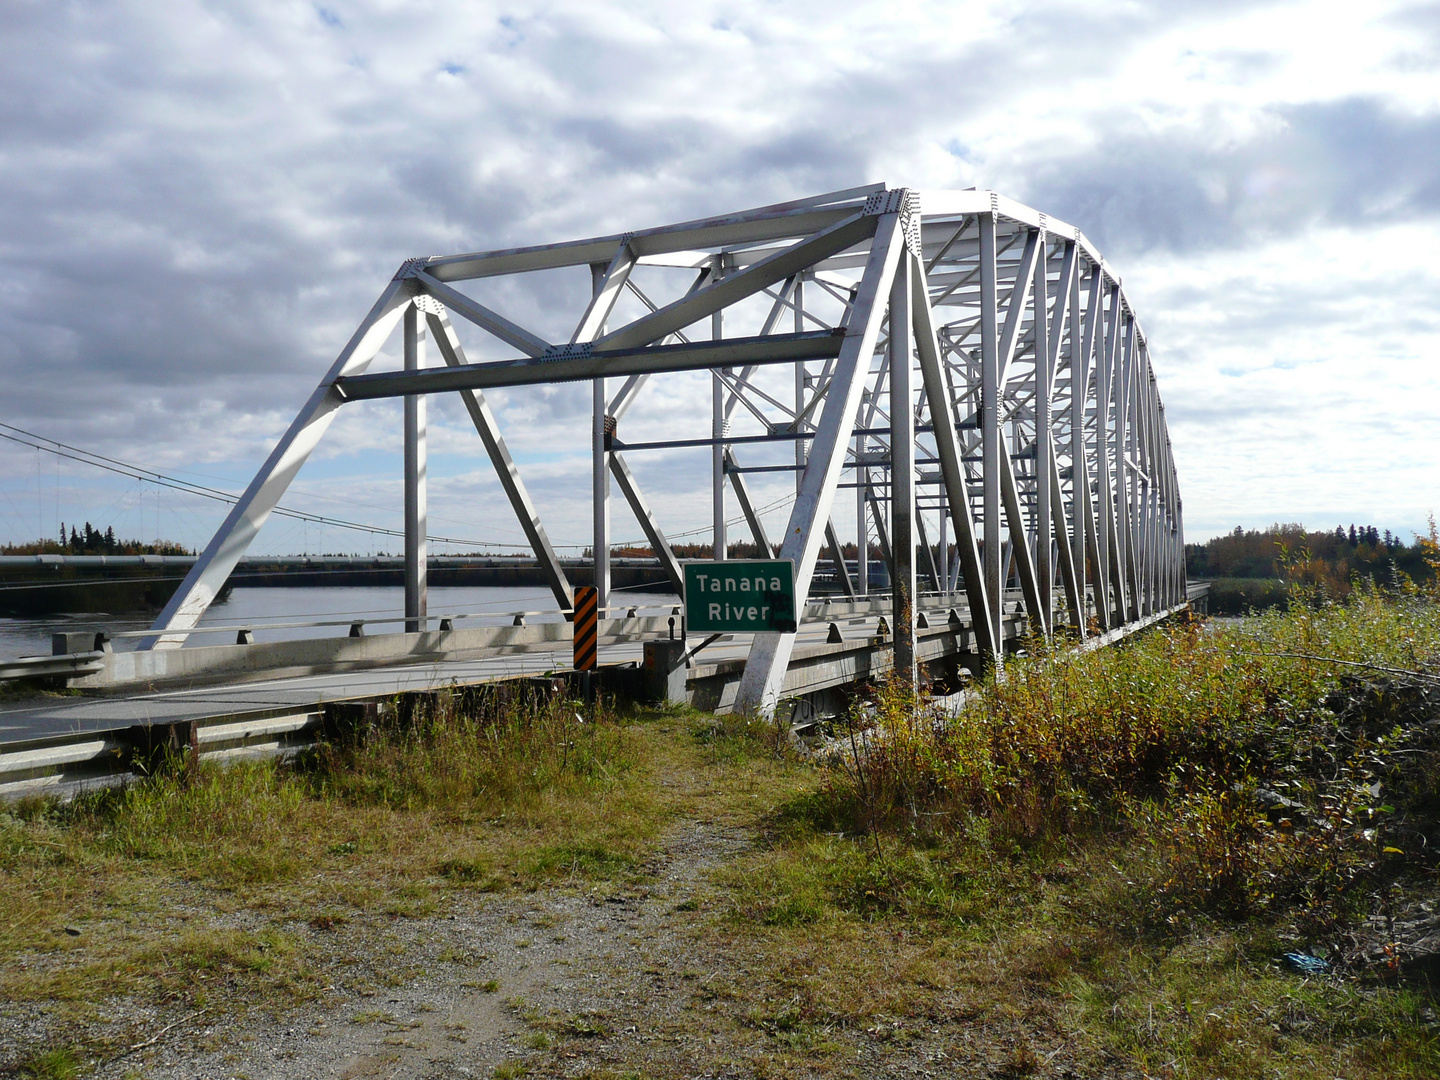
587, 627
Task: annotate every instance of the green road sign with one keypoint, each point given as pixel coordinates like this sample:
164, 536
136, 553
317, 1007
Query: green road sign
740, 596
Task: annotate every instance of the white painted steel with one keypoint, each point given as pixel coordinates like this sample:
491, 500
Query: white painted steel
902, 475
206, 578
1038, 435
416, 482
770, 654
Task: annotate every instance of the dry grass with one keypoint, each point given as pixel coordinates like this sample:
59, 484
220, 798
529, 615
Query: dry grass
390, 826
1081, 854
1019, 893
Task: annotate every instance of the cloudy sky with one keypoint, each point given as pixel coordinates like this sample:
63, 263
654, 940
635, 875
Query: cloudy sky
198, 201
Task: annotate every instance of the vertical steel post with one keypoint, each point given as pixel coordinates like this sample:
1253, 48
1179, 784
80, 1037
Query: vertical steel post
1157, 489
717, 429
902, 474
1126, 479
1064, 323
416, 524
599, 472
1116, 510
1104, 499
1079, 390
798, 297
717, 458
990, 434
1044, 562
943, 543
862, 526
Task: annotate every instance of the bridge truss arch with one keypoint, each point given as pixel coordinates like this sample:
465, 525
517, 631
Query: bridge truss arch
966, 369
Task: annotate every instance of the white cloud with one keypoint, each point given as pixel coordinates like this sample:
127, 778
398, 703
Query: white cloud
199, 200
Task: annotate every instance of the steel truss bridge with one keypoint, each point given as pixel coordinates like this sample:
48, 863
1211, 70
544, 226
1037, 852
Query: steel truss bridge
962, 374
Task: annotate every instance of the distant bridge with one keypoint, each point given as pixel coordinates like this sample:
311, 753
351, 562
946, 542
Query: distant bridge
967, 371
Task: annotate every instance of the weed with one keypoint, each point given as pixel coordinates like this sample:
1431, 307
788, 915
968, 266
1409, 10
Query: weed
1141, 831
1120, 844
59, 1063
478, 873
586, 1026
1181, 734
417, 798
590, 860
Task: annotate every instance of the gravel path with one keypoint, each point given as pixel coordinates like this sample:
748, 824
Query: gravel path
496, 980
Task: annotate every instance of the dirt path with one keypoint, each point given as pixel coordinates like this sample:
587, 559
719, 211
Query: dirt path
668, 974
498, 979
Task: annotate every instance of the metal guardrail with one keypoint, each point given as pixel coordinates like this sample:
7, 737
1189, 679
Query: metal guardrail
63, 765
100, 668
44, 667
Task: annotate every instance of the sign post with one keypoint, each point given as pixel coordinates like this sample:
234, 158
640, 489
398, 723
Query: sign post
740, 596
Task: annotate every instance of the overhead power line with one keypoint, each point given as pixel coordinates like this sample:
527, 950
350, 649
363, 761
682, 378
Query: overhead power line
153, 476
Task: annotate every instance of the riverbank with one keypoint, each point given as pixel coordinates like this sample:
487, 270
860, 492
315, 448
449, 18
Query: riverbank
35, 586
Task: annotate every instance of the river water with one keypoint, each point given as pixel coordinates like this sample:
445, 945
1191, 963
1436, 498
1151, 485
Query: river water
264, 609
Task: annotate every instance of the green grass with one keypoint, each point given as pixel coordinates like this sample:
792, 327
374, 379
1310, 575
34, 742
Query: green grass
465, 795
1088, 833
61, 1063
1082, 858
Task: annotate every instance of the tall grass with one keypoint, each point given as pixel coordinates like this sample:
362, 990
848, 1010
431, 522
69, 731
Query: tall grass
384, 822
1181, 735
463, 749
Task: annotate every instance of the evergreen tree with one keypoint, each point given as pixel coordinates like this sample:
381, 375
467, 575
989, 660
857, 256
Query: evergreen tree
1354, 540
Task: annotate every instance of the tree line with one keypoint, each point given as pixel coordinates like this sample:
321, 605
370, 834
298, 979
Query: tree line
1334, 562
93, 541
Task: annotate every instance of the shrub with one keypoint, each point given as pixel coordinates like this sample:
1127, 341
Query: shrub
462, 747
1240, 596
1186, 735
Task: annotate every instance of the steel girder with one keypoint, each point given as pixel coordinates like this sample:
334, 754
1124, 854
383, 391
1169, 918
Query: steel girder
1034, 435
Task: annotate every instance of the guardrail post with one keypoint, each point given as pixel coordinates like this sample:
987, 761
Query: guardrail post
349, 722
153, 747
79, 641
664, 670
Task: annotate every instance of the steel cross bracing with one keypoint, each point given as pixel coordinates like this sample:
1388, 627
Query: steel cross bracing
971, 368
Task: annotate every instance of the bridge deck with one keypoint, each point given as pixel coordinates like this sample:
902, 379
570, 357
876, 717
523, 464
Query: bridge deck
27, 719
60, 743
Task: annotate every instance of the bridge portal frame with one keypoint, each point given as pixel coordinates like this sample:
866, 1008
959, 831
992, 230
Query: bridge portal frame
1052, 461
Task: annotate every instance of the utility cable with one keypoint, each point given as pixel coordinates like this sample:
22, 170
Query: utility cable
152, 476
